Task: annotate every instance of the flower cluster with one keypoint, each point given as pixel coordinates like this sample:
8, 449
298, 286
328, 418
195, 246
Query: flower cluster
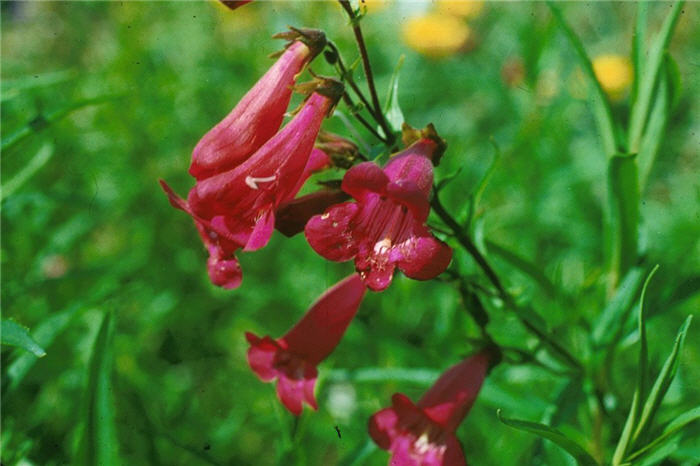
248, 170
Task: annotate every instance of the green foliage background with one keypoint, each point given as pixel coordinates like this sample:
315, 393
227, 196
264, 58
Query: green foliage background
91, 234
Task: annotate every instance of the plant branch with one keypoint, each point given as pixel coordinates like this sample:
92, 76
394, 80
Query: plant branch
351, 106
362, 47
467, 243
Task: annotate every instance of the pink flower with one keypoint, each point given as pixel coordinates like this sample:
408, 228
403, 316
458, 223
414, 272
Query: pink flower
292, 359
259, 114
233, 4
385, 227
423, 434
293, 215
236, 209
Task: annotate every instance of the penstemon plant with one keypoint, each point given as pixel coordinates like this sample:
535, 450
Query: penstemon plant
184, 351
248, 172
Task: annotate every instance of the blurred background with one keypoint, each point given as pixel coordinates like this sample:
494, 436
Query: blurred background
100, 100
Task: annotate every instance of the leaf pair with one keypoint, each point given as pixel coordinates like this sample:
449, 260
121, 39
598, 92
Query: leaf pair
640, 418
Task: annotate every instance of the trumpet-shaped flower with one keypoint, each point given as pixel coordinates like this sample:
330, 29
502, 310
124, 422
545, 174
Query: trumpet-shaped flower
291, 217
236, 209
423, 434
385, 227
259, 114
292, 359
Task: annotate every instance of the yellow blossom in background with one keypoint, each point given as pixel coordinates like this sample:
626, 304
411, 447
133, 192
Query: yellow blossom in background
436, 35
615, 74
464, 8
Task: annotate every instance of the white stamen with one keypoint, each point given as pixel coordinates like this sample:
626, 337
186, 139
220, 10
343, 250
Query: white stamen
253, 181
382, 246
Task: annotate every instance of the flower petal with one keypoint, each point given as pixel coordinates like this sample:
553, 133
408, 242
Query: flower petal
424, 257
382, 427
409, 194
376, 269
329, 234
364, 178
261, 356
453, 456
262, 232
225, 273
292, 216
292, 392
317, 334
413, 164
454, 393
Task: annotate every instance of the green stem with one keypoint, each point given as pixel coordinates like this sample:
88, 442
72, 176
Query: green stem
467, 243
367, 67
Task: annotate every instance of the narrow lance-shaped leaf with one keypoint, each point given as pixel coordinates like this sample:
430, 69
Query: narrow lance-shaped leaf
602, 111
392, 109
641, 388
16, 335
43, 121
47, 331
656, 126
638, 40
475, 196
667, 433
30, 169
583, 458
99, 441
660, 387
640, 110
608, 324
624, 215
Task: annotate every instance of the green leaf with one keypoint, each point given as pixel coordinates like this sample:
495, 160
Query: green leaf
42, 121
602, 111
47, 331
608, 325
652, 69
638, 40
624, 215
392, 109
14, 334
99, 443
582, 457
525, 266
30, 169
651, 141
475, 196
663, 381
12, 87
641, 388
667, 433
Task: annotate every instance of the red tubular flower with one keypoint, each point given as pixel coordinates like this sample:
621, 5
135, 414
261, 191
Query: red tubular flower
235, 209
259, 114
385, 228
293, 215
423, 434
292, 359
233, 4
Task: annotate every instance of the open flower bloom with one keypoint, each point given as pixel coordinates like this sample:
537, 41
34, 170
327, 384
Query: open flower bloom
259, 114
292, 359
423, 434
385, 228
236, 209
